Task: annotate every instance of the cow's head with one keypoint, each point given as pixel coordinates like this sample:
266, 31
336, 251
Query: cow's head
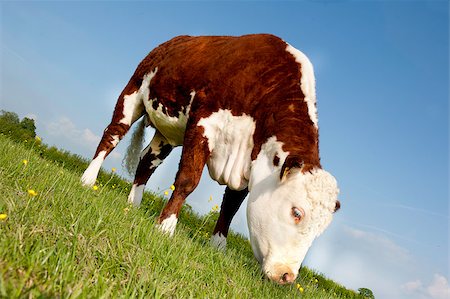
286, 211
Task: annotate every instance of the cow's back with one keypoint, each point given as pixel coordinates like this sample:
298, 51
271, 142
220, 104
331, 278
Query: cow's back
236, 73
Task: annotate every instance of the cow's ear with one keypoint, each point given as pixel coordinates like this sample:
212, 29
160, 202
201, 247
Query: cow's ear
291, 163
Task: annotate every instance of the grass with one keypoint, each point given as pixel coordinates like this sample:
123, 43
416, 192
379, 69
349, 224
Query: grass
67, 241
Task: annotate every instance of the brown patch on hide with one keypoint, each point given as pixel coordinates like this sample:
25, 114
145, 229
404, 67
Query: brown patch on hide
251, 74
276, 160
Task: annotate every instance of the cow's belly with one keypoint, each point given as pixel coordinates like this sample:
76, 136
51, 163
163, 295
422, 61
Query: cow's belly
230, 141
171, 127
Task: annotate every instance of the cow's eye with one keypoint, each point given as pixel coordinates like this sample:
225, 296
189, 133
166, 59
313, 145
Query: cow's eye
298, 214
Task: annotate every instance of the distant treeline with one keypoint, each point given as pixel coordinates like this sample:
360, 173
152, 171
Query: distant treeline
17, 129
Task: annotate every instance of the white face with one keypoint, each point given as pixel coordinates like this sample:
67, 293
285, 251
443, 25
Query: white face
286, 215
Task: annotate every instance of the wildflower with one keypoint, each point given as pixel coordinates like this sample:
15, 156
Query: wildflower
316, 280
172, 187
215, 208
25, 162
38, 139
210, 198
32, 192
113, 169
300, 288
166, 193
126, 210
3, 217
114, 186
95, 188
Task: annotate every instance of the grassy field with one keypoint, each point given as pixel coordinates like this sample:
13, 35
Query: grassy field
59, 239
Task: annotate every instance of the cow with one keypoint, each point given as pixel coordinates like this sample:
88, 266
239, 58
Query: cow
245, 107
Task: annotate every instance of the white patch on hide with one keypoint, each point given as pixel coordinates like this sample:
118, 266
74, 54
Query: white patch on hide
218, 241
132, 102
168, 225
136, 194
230, 141
171, 127
262, 166
90, 174
307, 82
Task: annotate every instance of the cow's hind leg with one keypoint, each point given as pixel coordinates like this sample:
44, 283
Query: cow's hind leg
193, 159
129, 108
152, 156
231, 202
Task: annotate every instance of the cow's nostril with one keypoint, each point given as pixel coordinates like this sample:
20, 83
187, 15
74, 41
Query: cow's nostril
287, 278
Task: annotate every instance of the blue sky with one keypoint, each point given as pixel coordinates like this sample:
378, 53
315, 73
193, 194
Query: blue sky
382, 72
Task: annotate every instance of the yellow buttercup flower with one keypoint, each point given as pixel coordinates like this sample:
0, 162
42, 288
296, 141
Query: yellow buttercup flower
95, 188
215, 208
25, 162
32, 192
113, 169
166, 193
172, 187
210, 198
3, 217
300, 288
38, 139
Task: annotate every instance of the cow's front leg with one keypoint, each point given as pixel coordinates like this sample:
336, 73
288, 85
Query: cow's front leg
231, 202
193, 159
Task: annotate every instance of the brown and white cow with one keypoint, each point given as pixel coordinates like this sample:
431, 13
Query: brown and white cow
246, 107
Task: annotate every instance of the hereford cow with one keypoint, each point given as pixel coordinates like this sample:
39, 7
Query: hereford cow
246, 107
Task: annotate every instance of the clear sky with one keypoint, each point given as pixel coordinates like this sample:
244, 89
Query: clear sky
382, 71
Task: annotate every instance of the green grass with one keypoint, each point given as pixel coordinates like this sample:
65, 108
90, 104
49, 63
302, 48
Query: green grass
69, 241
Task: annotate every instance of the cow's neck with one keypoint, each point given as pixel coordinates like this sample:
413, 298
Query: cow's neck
266, 167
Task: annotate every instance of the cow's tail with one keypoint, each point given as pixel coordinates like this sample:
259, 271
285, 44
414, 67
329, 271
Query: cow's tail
132, 155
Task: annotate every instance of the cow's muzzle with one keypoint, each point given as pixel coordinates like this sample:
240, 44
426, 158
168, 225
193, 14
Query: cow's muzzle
281, 275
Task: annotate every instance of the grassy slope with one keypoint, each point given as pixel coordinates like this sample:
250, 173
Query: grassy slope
70, 241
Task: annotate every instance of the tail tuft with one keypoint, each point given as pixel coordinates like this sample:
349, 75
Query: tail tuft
132, 156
